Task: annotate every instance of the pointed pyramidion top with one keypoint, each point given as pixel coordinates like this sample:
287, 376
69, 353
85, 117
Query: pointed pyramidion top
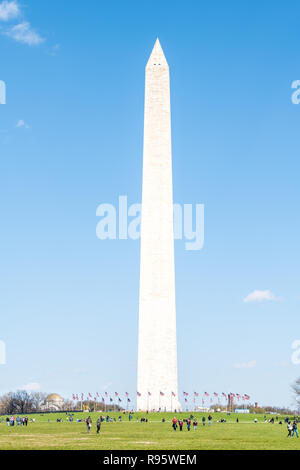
157, 57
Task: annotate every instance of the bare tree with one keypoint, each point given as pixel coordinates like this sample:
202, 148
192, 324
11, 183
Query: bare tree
4, 403
69, 405
37, 399
21, 402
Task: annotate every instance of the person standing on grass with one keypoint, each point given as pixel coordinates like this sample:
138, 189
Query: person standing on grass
98, 425
88, 424
180, 425
174, 423
203, 421
188, 423
289, 428
195, 424
295, 429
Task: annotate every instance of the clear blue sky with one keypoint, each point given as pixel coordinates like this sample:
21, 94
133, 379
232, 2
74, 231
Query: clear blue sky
71, 137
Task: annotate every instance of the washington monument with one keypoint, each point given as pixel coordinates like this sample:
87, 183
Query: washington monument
157, 355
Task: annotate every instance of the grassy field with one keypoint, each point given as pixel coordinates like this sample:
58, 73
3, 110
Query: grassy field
154, 435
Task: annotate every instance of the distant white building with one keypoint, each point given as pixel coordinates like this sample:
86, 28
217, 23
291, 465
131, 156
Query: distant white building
202, 409
53, 402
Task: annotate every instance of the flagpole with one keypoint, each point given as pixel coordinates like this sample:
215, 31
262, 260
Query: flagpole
171, 402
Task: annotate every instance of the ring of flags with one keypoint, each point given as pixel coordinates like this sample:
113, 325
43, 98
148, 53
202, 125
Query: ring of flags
205, 395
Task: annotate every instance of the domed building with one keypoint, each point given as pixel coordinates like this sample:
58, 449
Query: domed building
53, 402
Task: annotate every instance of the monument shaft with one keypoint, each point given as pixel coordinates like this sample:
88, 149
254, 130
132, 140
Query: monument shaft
157, 353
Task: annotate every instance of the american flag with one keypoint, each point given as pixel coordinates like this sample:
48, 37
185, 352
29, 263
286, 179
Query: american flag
103, 400
126, 394
110, 399
116, 394
173, 394
138, 394
90, 395
185, 394
149, 394
128, 399
206, 394
185, 400
216, 394
106, 394
161, 394
74, 398
196, 394
246, 397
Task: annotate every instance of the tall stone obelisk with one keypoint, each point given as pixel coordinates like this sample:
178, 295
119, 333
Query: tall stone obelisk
157, 354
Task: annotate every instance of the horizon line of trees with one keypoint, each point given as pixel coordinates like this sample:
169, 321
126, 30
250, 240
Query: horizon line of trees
23, 402
255, 409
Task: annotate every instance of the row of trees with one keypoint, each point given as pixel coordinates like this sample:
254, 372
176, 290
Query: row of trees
255, 409
21, 402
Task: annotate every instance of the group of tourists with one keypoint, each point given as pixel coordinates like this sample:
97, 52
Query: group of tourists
18, 421
98, 424
177, 423
292, 429
291, 424
107, 419
191, 421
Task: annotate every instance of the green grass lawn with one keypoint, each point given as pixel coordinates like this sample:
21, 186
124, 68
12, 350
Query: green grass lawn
153, 435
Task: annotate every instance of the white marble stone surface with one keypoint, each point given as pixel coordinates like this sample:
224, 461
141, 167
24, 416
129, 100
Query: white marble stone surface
157, 350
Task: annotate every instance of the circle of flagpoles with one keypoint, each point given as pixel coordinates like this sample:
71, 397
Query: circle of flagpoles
113, 401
